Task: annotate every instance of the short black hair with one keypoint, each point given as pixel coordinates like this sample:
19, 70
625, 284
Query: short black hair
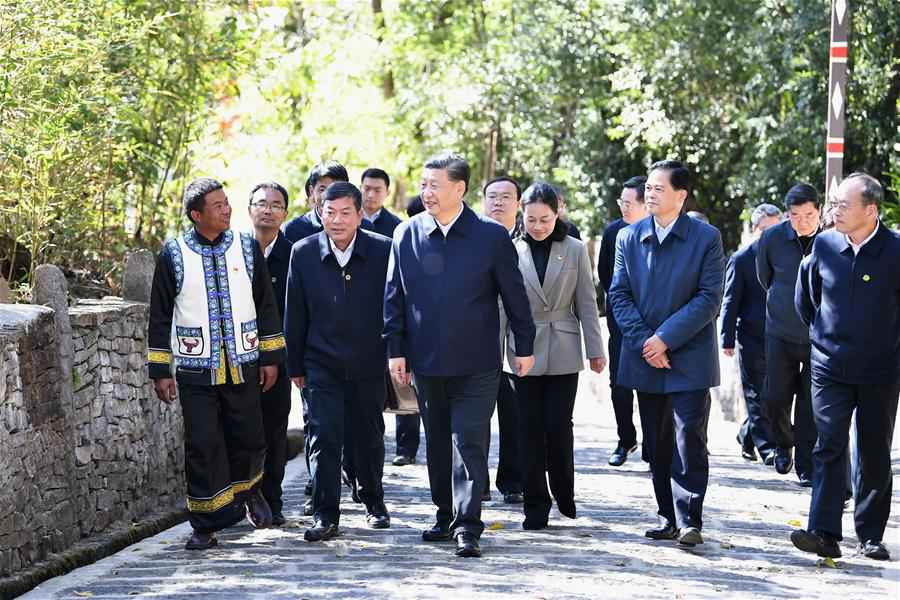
415, 206
330, 169
195, 194
541, 192
801, 193
343, 189
456, 166
679, 175
503, 178
637, 184
270, 185
308, 186
872, 192
376, 173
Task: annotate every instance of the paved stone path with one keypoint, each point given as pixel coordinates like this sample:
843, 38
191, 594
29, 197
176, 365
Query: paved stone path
750, 510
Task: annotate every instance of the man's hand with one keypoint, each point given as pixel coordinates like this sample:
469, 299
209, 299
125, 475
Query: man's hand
267, 377
397, 367
523, 365
653, 348
659, 362
166, 390
728, 351
299, 382
598, 364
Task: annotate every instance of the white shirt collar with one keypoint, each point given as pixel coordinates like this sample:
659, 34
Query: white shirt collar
342, 256
856, 248
446, 228
373, 216
663, 232
268, 249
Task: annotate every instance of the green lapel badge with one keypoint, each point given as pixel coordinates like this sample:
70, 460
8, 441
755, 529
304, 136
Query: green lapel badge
866, 278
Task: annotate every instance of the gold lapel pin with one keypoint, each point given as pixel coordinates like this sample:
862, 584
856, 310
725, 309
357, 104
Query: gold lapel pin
866, 278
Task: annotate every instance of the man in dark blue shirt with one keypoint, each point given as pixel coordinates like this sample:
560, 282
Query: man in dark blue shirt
268, 207
848, 292
778, 256
336, 353
631, 203
665, 294
744, 321
448, 268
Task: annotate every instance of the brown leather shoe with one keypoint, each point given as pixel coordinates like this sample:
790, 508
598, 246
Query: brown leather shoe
258, 512
201, 541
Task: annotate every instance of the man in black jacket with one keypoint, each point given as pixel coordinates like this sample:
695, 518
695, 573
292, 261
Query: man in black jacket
268, 208
849, 293
780, 250
744, 321
336, 352
631, 203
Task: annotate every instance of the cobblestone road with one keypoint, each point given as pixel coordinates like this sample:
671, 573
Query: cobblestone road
749, 513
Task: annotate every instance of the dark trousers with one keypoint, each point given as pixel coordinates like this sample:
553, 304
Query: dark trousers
339, 408
756, 430
546, 443
787, 376
509, 469
224, 450
622, 397
876, 411
407, 435
675, 429
456, 412
276, 407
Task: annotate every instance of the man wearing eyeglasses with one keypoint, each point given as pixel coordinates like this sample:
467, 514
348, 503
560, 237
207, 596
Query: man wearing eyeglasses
268, 208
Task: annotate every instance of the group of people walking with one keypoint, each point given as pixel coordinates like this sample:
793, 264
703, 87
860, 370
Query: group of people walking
499, 311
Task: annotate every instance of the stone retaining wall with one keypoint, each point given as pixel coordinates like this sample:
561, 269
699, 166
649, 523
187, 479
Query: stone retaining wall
78, 456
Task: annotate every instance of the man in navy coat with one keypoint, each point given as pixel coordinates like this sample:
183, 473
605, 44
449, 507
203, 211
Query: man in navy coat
336, 353
744, 322
631, 203
268, 207
309, 223
848, 292
442, 321
665, 294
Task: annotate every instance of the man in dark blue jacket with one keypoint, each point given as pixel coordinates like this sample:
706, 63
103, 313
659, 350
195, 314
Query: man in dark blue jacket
778, 257
744, 314
268, 207
631, 203
441, 314
310, 223
848, 292
336, 353
665, 294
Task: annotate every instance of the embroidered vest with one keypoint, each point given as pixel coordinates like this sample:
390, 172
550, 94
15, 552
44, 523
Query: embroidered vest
214, 307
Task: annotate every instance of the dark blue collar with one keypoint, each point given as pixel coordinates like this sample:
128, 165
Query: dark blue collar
681, 227
463, 226
360, 246
873, 247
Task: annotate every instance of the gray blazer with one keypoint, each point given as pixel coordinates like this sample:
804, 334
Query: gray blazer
566, 300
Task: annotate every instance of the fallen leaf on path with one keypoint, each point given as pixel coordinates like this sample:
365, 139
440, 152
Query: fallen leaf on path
828, 563
495, 526
584, 534
84, 594
795, 523
726, 545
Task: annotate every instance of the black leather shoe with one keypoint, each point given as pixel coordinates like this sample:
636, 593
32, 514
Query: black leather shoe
874, 550
620, 455
783, 460
278, 519
690, 537
308, 508
666, 532
320, 532
804, 480
258, 512
201, 541
438, 533
467, 545
377, 517
810, 541
307, 489
747, 452
513, 498
401, 461
534, 524
769, 459
486, 496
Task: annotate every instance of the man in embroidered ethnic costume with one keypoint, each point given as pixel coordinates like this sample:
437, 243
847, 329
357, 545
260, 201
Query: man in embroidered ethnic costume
213, 312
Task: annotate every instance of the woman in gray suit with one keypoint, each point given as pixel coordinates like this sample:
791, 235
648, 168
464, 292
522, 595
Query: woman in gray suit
560, 286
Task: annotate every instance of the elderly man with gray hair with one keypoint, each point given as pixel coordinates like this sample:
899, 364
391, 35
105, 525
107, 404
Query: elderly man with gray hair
744, 321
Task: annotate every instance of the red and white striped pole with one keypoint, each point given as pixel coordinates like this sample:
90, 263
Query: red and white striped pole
837, 96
